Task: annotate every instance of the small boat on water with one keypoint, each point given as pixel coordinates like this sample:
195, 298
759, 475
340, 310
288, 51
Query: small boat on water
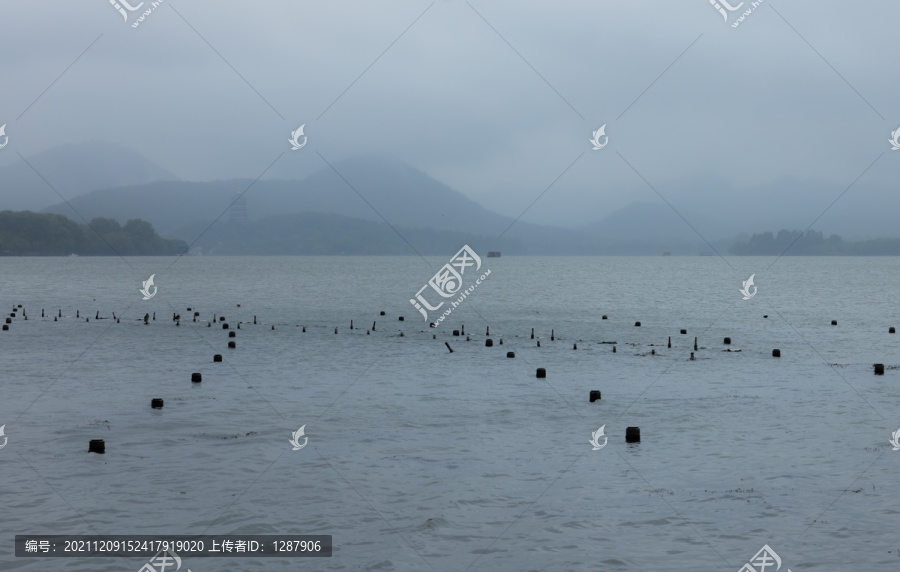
493, 254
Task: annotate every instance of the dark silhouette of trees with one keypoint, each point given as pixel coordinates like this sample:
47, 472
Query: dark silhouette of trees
30, 233
813, 243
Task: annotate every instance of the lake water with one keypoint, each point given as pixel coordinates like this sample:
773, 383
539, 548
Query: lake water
421, 459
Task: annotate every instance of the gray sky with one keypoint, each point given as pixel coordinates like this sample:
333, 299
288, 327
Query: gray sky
802, 89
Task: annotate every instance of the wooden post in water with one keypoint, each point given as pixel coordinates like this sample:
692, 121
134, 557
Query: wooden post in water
633, 435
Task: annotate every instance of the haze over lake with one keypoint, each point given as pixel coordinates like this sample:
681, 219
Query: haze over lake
418, 457
665, 341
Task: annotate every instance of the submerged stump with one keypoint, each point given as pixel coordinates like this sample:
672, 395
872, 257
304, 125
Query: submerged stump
633, 435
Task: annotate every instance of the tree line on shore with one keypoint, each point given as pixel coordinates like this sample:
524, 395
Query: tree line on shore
26, 233
813, 243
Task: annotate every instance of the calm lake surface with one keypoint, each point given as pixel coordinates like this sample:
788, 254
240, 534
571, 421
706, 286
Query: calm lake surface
421, 459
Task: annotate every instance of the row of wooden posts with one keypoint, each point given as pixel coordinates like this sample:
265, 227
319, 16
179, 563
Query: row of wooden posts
488, 343
632, 434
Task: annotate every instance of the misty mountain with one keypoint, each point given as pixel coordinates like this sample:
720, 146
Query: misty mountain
330, 234
73, 170
864, 210
167, 205
403, 195
408, 198
644, 228
718, 210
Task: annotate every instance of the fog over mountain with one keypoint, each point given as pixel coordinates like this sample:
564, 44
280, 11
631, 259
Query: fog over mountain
380, 188
461, 117
72, 170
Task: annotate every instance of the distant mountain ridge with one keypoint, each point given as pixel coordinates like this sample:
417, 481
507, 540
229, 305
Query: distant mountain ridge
313, 233
362, 187
73, 170
380, 188
368, 188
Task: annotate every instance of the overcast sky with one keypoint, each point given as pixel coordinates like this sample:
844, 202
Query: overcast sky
496, 99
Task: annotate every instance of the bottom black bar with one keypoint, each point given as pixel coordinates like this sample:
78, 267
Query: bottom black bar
230, 545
